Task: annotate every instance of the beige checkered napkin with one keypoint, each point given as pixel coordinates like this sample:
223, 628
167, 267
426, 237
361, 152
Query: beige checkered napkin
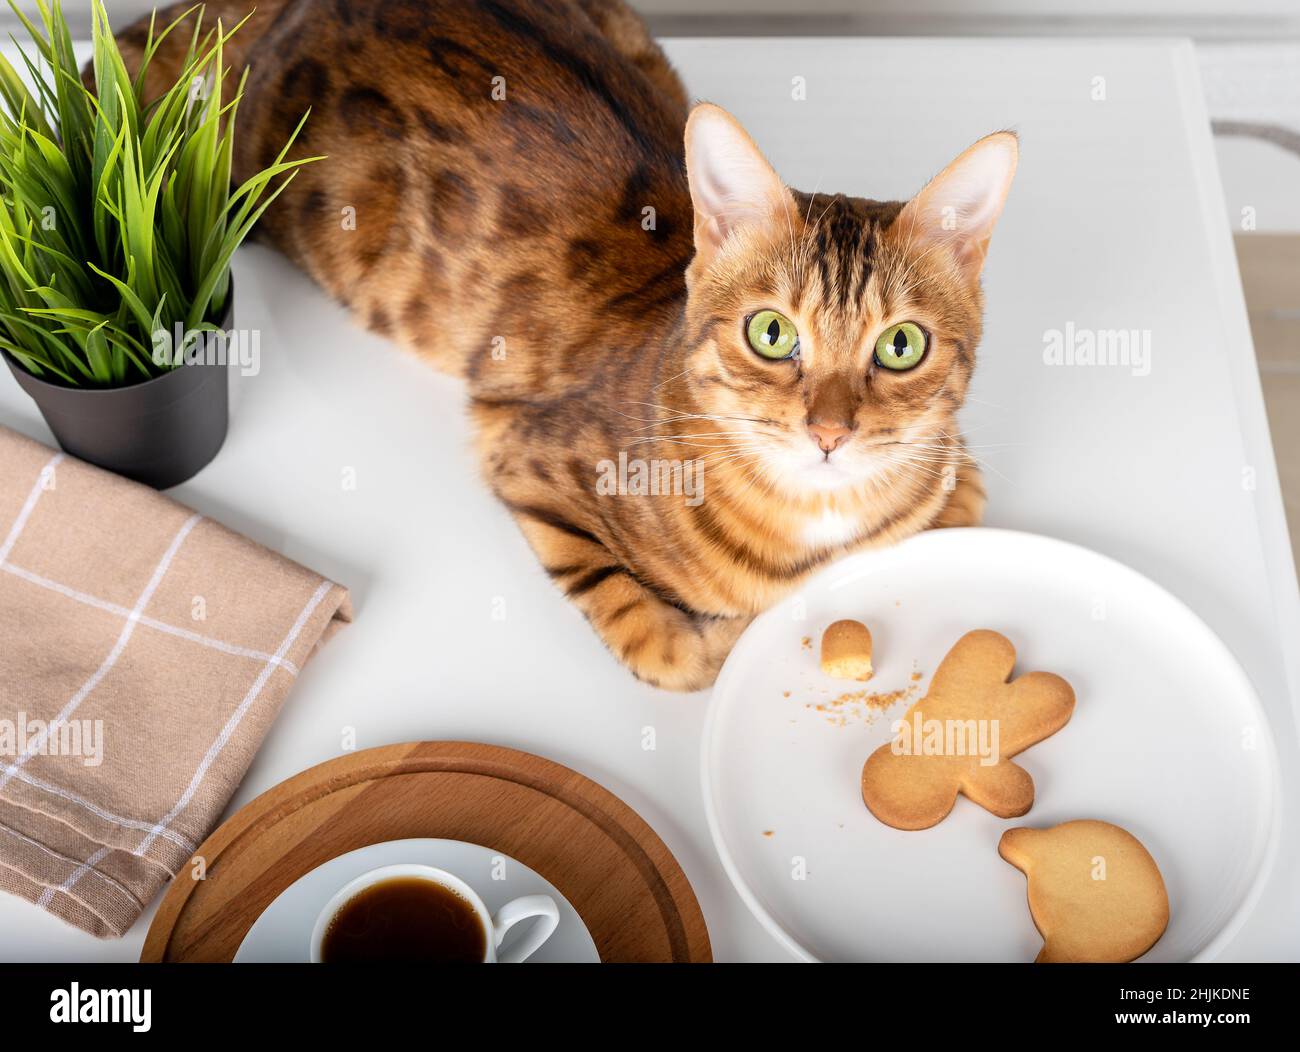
144, 652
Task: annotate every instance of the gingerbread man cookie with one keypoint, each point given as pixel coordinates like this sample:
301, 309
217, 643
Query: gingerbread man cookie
960, 737
1095, 893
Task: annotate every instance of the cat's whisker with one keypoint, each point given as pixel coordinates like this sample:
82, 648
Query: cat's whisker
924, 456
930, 456
828, 207
679, 415
688, 443
914, 466
981, 401
658, 406
720, 458
676, 414
980, 462
984, 465
665, 383
757, 429
812, 200
687, 434
685, 418
735, 450
709, 446
941, 440
952, 453
965, 446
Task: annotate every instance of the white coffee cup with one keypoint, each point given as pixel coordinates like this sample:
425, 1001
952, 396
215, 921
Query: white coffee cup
494, 927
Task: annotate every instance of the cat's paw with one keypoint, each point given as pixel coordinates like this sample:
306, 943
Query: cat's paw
681, 652
659, 639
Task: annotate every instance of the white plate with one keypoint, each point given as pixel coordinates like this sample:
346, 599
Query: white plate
283, 931
1168, 739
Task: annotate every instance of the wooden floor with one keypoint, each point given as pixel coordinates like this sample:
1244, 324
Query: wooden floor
1270, 273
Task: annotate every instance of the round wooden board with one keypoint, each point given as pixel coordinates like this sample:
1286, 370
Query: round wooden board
599, 853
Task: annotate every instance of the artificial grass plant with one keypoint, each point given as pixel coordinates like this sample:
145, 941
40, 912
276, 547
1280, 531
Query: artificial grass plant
117, 216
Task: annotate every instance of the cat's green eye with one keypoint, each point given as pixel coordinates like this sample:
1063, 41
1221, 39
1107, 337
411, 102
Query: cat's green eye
901, 346
772, 335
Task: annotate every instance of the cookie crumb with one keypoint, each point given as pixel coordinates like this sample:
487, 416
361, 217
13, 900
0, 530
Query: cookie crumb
768, 832
863, 706
806, 642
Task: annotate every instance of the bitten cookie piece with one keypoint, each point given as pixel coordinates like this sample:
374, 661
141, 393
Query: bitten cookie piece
959, 738
1095, 893
846, 651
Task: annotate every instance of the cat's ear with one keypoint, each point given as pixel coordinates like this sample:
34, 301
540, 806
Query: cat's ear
732, 185
960, 205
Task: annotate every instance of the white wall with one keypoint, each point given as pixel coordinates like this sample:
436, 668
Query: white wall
973, 8
1191, 13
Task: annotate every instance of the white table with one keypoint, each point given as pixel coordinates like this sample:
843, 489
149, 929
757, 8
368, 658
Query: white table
1115, 221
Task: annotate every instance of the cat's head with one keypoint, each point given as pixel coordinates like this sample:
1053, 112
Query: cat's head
834, 337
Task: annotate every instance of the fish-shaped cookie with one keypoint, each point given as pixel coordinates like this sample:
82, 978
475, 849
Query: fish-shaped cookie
1095, 892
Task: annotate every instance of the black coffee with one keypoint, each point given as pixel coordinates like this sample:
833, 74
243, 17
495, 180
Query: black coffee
405, 919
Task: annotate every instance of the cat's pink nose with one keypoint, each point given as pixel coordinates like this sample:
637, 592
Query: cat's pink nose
829, 437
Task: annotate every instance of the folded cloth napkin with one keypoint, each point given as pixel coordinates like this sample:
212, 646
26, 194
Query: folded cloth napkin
144, 652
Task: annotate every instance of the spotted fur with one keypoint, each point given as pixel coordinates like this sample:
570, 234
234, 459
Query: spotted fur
506, 241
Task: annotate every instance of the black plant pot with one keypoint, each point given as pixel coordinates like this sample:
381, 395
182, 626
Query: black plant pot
159, 432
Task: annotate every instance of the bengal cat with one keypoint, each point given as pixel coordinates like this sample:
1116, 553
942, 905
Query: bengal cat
539, 210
